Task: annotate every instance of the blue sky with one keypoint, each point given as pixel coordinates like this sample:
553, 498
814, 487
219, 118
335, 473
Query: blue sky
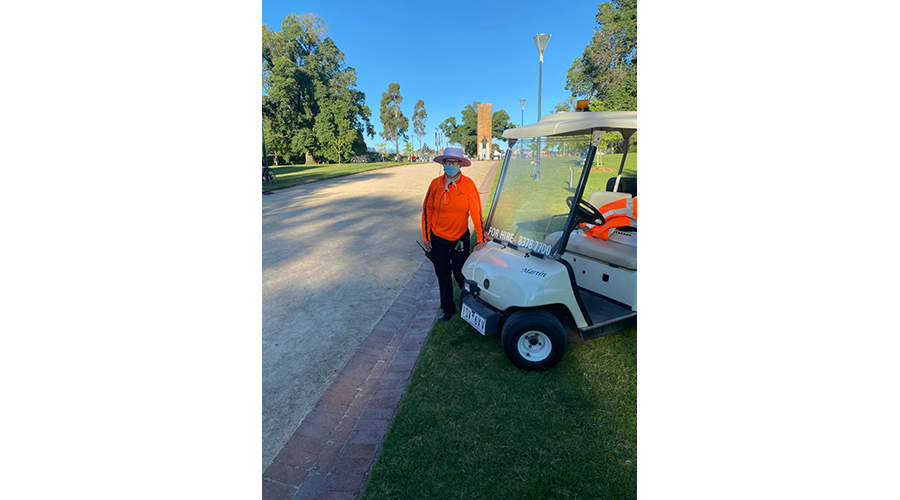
450, 54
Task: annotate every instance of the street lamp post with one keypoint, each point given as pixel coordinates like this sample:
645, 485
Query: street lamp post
541, 40
522, 123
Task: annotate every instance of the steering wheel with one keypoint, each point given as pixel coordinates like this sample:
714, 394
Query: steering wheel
585, 212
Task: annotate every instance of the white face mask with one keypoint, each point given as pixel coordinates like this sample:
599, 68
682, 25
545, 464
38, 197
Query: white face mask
451, 170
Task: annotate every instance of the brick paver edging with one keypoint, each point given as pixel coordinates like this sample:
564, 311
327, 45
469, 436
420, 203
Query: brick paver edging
332, 452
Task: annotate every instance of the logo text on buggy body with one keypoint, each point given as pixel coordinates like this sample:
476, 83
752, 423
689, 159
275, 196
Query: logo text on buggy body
534, 272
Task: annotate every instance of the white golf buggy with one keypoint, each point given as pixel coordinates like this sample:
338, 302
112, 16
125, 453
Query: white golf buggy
542, 281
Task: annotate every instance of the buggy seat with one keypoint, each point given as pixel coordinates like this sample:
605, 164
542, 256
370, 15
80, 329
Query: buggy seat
608, 251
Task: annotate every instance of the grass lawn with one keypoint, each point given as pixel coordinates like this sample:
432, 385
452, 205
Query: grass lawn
294, 175
473, 426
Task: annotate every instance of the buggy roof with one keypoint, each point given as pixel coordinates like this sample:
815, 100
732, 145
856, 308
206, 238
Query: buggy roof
576, 123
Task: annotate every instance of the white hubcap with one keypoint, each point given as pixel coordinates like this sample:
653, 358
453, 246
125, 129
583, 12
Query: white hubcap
534, 346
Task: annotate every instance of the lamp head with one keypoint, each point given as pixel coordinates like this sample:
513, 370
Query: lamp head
541, 40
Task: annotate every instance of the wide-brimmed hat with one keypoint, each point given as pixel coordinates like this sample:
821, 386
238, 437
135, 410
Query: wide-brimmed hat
453, 154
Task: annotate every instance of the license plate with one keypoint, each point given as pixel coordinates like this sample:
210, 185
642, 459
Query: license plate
473, 318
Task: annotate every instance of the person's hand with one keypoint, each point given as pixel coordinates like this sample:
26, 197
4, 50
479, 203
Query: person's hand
427, 246
480, 246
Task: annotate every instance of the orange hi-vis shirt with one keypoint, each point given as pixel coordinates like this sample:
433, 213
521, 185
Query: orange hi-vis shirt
447, 208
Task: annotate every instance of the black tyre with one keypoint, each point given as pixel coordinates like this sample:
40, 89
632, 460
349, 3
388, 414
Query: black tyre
533, 339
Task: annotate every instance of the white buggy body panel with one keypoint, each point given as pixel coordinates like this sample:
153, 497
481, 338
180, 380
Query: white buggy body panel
517, 281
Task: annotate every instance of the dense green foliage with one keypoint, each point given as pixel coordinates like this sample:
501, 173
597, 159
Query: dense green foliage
607, 72
311, 108
499, 123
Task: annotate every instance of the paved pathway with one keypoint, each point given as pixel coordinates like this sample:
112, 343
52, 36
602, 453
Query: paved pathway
331, 452
337, 347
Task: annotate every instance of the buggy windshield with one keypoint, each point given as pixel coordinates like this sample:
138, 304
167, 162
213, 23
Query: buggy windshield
531, 198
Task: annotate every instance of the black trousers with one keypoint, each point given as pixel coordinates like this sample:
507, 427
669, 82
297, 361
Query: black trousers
449, 261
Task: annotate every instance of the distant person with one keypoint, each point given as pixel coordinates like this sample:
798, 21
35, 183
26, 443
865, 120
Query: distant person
451, 199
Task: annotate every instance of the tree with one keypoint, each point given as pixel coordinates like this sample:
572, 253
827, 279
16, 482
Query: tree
465, 134
419, 116
338, 128
499, 123
565, 106
408, 149
607, 71
394, 123
381, 147
448, 127
282, 80
311, 106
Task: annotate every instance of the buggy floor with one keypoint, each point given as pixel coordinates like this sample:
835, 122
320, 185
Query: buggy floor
601, 309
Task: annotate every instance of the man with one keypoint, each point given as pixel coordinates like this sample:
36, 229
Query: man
451, 199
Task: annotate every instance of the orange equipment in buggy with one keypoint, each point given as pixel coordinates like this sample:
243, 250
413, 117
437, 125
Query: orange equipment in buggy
618, 213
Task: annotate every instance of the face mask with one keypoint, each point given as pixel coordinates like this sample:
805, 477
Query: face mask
451, 170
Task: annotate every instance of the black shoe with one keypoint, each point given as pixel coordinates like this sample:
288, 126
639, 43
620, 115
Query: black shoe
445, 317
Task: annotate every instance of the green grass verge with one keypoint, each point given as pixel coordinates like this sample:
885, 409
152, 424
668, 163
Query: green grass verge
473, 426
294, 175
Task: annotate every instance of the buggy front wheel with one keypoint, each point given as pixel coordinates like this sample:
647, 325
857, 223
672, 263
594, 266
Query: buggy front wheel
533, 339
